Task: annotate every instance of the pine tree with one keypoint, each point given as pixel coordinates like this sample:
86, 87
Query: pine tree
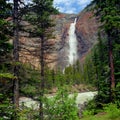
5, 47
5, 57
109, 12
39, 17
16, 55
16, 19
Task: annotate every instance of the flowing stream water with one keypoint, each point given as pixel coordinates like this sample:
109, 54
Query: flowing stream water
72, 44
80, 99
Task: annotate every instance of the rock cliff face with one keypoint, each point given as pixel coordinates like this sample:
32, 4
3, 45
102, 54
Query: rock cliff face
63, 22
86, 31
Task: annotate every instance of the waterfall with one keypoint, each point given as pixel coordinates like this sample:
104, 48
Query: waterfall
72, 44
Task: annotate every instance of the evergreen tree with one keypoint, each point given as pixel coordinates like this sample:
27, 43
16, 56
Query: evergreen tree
16, 55
39, 17
5, 47
16, 20
109, 12
101, 63
5, 57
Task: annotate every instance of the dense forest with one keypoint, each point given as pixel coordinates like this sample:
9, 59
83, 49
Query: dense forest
100, 71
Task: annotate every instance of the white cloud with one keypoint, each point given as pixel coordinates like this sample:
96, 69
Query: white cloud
82, 2
73, 10
61, 1
61, 9
71, 6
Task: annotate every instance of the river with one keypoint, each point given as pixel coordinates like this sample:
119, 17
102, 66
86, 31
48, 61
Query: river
80, 99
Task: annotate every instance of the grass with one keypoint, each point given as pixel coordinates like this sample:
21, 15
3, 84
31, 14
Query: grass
99, 117
109, 112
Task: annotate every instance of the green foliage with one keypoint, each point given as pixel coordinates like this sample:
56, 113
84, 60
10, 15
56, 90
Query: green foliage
58, 107
5, 47
29, 81
77, 74
107, 112
61, 106
6, 108
26, 113
112, 110
29, 90
108, 12
97, 70
7, 75
5, 9
39, 16
41, 10
91, 108
117, 92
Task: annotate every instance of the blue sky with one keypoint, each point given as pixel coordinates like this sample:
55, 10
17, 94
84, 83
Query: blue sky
71, 6
68, 6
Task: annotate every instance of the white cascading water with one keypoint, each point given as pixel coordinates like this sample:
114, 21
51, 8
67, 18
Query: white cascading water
72, 44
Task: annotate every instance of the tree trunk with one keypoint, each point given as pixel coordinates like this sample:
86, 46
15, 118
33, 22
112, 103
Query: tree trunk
16, 56
42, 78
111, 64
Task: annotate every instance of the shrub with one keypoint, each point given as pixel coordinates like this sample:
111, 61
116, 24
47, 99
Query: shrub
61, 107
112, 110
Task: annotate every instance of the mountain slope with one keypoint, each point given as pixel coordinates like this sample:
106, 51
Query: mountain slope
86, 32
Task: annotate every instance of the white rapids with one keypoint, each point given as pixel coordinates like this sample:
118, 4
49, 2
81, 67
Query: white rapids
80, 99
